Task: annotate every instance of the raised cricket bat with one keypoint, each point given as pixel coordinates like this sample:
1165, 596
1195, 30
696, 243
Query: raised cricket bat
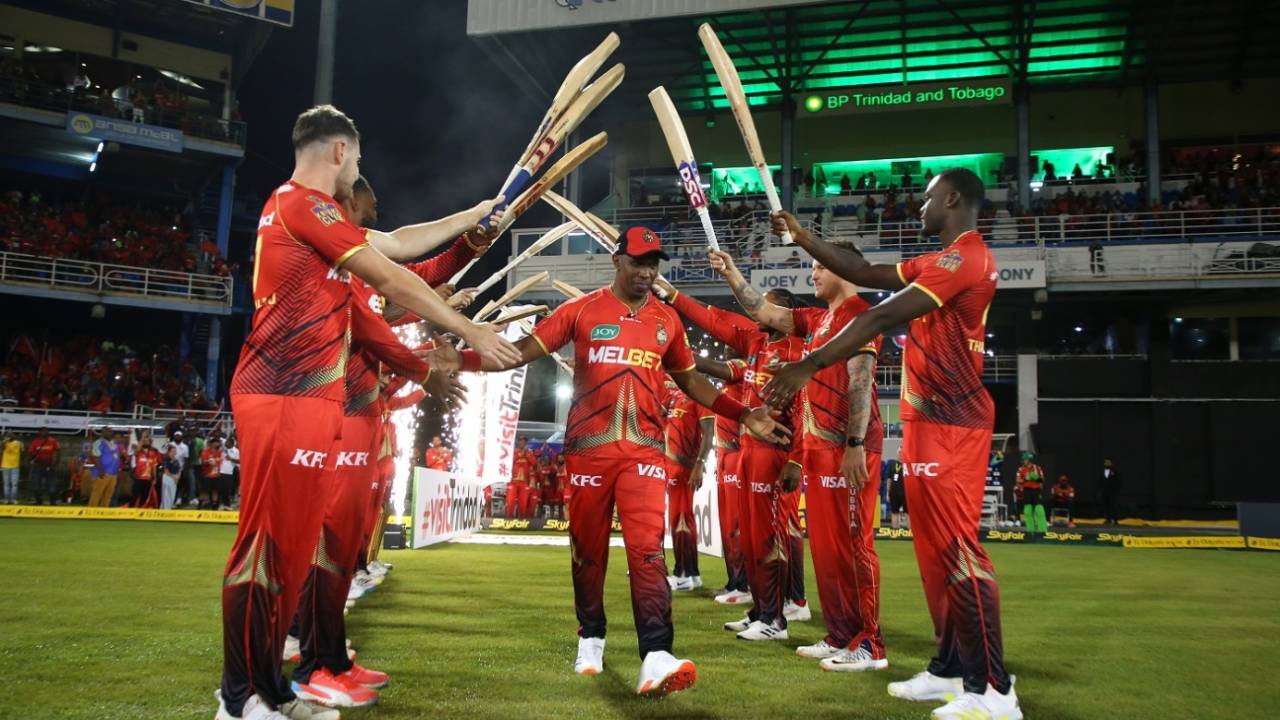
682, 154
566, 289
538, 246
525, 312
732, 85
520, 288
549, 179
545, 142
583, 221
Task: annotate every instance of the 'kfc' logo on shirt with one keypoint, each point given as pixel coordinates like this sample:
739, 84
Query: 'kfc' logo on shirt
922, 469
577, 480
354, 459
308, 458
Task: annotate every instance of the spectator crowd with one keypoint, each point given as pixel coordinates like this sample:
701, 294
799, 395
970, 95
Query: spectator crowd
104, 228
89, 373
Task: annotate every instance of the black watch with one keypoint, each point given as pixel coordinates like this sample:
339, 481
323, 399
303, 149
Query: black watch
855, 442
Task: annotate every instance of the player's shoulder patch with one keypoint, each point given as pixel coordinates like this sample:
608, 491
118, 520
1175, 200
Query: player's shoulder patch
325, 210
950, 260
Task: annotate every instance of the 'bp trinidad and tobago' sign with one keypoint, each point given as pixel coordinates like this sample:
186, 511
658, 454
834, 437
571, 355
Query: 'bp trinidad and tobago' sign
924, 96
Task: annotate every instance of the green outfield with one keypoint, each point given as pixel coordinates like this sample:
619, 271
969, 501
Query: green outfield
105, 620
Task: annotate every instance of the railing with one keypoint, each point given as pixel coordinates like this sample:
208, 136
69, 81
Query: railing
142, 416
995, 369
26, 93
102, 278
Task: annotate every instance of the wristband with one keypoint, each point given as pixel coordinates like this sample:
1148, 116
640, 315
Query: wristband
854, 442
470, 360
727, 407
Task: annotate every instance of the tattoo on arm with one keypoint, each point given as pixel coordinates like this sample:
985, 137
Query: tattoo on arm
761, 310
861, 367
749, 297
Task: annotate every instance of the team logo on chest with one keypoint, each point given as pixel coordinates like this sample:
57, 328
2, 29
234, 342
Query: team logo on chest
662, 334
326, 212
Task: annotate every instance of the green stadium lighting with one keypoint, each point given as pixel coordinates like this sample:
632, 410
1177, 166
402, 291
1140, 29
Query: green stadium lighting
813, 103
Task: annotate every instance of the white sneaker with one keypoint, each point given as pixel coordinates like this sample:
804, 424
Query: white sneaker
796, 613
254, 709
734, 597
926, 686
738, 626
673, 581
683, 584
590, 656
989, 705
662, 673
695, 581
820, 650
858, 660
364, 578
379, 568
292, 649
760, 630
298, 709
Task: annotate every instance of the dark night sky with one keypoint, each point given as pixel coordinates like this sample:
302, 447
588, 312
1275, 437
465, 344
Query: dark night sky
441, 123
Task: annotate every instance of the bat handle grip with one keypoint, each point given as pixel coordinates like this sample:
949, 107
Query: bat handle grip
512, 189
493, 279
787, 239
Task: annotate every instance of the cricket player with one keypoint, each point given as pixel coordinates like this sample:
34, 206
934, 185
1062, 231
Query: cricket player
838, 417
947, 422
690, 432
625, 345
768, 513
287, 395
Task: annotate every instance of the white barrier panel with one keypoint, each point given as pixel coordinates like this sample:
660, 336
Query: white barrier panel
445, 506
1020, 274
706, 508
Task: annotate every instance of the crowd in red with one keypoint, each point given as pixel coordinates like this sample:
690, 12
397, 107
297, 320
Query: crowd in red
88, 373
107, 229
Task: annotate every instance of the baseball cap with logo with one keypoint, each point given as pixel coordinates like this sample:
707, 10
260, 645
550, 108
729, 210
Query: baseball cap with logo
638, 241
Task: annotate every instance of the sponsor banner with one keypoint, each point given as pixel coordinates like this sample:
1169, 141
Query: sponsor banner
79, 512
445, 506
1018, 274
535, 524
706, 507
797, 280
279, 12
916, 96
1258, 543
488, 421
123, 131
1188, 541
1012, 275
60, 424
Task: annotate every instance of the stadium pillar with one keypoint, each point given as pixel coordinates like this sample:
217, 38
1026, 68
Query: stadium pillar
1152, 91
325, 49
1028, 400
226, 197
1023, 95
211, 358
788, 133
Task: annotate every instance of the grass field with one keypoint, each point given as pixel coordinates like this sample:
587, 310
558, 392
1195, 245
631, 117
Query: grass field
108, 620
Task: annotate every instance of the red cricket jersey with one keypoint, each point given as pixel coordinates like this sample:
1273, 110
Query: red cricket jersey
439, 458
302, 320
522, 466
942, 361
684, 431
823, 411
373, 342
622, 360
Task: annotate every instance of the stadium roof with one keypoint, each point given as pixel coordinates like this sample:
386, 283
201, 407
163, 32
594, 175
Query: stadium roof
879, 42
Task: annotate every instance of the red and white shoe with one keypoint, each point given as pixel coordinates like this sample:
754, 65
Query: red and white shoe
734, 597
324, 688
292, 649
662, 673
371, 679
